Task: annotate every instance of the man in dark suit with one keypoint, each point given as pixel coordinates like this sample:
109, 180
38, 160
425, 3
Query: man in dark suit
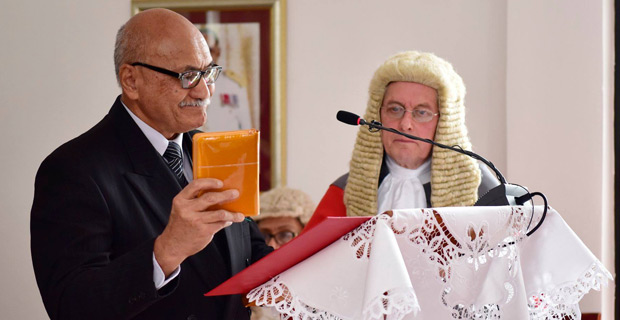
117, 232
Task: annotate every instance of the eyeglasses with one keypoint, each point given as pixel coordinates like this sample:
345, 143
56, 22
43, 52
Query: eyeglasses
191, 78
280, 237
396, 112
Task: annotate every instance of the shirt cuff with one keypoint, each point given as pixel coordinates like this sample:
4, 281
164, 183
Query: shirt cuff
159, 279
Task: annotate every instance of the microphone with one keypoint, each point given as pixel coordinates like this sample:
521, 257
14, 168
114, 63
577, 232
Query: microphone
496, 196
350, 118
502, 195
353, 119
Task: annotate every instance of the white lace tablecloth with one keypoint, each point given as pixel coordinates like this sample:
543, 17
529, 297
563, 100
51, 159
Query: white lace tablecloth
442, 263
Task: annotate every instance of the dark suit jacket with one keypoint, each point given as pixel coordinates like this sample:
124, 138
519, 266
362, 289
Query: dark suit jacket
100, 201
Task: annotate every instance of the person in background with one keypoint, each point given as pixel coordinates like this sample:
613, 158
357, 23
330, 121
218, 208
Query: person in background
283, 214
119, 229
422, 95
230, 106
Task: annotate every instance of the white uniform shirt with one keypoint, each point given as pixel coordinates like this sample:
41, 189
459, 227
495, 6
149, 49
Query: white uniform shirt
229, 108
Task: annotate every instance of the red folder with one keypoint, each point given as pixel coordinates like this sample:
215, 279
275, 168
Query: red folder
299, 249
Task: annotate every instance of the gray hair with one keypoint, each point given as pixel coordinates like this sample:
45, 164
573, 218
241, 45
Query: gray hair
127, 49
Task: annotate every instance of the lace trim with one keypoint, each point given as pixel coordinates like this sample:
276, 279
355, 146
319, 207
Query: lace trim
361, 237
276, 294
395, 303
472, 312
563, 302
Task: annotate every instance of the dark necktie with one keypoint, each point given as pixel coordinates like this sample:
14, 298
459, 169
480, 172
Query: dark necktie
173, 158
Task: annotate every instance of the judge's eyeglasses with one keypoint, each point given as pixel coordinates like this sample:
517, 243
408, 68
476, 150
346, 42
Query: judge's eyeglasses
396, 112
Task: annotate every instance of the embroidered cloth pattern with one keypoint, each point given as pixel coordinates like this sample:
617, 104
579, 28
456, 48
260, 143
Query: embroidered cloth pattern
442, 263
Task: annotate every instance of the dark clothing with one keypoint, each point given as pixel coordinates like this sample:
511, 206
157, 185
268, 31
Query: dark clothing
100, 201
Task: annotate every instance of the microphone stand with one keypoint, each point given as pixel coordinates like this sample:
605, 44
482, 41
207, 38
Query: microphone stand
379, 126
503, 194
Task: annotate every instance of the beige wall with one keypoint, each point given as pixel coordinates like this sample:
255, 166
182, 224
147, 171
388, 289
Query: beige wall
525, 65
57, 81
333, 52
556, 107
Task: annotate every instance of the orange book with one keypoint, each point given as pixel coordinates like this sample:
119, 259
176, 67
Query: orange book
232, 157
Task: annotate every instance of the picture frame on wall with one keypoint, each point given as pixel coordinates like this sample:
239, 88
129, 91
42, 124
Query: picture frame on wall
246, 38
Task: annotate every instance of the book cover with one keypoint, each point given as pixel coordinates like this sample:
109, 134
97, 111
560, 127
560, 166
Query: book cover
232, 157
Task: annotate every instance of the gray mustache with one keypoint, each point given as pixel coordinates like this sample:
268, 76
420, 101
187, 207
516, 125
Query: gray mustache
195, 103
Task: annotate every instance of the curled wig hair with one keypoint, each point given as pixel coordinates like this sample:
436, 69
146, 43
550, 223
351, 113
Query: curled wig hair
454, 177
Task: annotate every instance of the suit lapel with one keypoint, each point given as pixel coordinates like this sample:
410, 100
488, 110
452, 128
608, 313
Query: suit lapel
187, 146
150, 176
